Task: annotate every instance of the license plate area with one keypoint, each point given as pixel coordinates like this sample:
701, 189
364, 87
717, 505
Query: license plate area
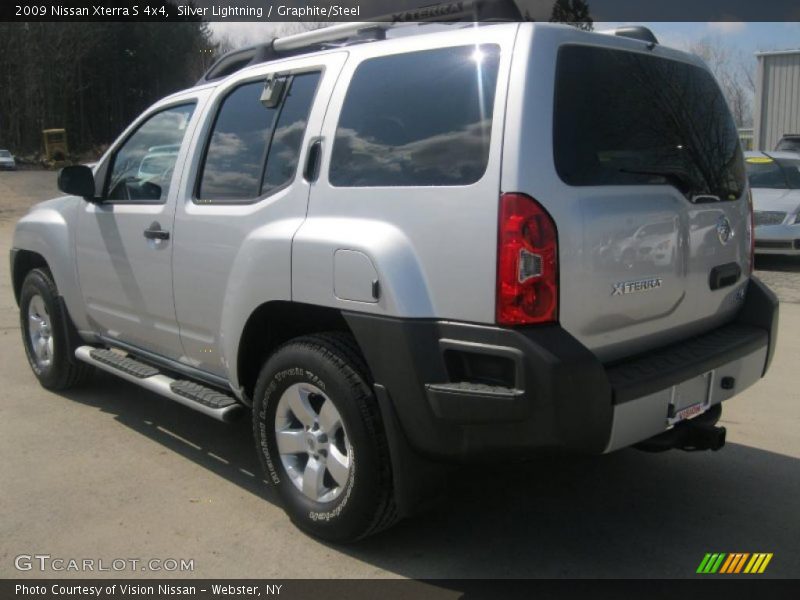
690, 398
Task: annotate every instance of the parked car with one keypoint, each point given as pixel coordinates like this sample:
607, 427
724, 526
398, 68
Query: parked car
385, 251
7, 161
775, 185
789, 143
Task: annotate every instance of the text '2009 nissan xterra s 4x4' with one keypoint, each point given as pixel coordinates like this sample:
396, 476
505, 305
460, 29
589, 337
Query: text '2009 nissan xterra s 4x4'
415, 245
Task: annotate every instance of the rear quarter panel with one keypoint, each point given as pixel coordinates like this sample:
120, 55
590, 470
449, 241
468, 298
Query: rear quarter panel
434, 248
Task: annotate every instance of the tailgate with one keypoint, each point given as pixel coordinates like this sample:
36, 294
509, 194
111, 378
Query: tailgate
651, 203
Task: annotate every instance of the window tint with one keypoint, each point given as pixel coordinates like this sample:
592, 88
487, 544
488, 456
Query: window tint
417, 119
142, 168
773, 173
289, 131
631, 118
238, 146
247, 136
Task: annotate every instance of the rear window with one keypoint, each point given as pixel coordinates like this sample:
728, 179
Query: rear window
625, 118
417, 119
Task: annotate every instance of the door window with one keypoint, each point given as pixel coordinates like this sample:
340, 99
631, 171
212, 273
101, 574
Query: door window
254, 150
142, 168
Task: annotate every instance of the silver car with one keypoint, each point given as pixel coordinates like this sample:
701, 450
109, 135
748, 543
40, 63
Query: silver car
7, 161
445, 245
775, 184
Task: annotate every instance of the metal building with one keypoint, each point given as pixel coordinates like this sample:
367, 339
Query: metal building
777, 102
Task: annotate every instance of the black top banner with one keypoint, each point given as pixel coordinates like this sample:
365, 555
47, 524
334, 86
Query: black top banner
398, 10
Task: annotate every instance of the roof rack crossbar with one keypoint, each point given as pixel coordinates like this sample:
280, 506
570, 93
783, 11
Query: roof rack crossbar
335, 33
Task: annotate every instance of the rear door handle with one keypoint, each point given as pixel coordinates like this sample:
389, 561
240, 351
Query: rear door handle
311, 171
154, 232
724, 275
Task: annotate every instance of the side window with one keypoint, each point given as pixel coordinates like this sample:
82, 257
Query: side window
289, 131
141, 169
254, 150
417, 119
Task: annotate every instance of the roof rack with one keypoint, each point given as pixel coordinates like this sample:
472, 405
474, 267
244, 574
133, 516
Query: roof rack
364, 31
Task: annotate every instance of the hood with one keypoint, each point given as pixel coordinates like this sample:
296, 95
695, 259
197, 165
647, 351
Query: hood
56, 204
778, 200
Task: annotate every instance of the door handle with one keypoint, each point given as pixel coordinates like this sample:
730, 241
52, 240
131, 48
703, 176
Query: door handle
154, 232
311, 171
724, 275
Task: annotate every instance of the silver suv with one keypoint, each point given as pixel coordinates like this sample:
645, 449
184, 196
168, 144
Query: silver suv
402, 246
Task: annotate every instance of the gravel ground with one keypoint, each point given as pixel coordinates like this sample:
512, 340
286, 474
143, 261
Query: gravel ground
114, 472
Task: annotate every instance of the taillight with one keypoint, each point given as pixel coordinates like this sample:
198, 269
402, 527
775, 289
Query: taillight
752, 231
527, 262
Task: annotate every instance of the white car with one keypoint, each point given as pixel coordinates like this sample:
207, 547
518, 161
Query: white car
7, 161
775, 184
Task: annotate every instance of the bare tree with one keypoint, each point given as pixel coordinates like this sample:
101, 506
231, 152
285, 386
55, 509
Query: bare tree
231, 36
298, 27
733, 72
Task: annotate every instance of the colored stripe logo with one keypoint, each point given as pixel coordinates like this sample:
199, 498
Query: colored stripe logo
734, 563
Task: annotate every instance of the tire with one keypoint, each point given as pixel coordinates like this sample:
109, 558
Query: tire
318, 369
61, 370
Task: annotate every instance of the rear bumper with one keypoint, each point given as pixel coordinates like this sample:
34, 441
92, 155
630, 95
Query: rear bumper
551, 391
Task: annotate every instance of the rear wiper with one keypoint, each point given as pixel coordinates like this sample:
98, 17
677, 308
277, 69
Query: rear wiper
675, 178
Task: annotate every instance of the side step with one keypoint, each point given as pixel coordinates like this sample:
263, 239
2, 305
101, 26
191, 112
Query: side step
203, 399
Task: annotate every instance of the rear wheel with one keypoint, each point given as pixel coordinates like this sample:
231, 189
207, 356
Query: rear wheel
44, 325
320, 438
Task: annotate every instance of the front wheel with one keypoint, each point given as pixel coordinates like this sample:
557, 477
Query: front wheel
44, 324
320, 438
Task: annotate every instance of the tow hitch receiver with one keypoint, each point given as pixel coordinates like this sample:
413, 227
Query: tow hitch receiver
700, 433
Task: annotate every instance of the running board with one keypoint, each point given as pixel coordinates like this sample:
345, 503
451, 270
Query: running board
203, 399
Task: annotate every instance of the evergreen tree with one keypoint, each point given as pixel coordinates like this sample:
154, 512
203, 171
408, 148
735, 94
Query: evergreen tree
572, 12
91, 79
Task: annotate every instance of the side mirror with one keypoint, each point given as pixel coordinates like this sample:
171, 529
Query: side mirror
77, 180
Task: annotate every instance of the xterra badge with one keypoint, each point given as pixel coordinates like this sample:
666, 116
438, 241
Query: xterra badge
640, 285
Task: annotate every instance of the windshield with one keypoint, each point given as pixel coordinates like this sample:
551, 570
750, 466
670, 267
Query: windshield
5, 154
626, 118
773, 173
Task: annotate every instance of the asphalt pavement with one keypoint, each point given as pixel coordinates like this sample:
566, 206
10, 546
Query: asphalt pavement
113, 472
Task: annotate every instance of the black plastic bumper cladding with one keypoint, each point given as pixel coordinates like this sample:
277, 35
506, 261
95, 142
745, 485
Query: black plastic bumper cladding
562, 396
761, 310
405, 355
